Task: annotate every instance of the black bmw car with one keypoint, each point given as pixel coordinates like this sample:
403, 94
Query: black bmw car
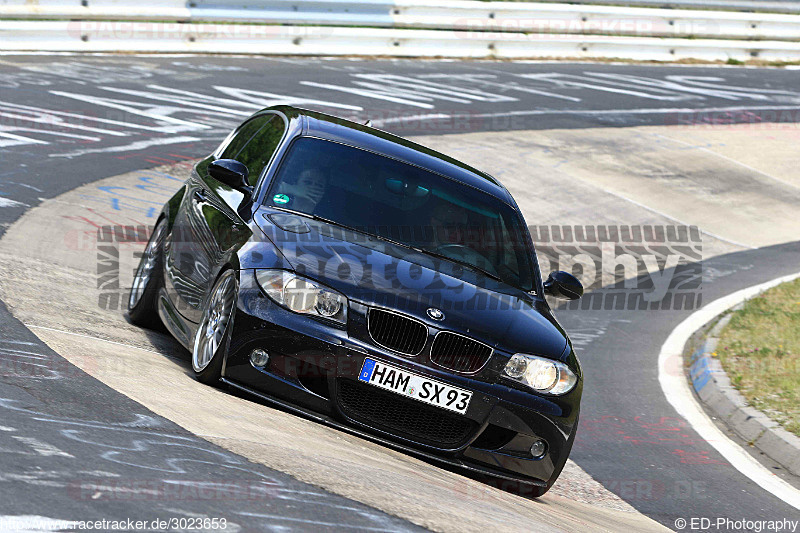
372, 284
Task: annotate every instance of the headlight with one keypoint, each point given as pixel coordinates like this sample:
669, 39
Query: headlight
302, 295
541, 374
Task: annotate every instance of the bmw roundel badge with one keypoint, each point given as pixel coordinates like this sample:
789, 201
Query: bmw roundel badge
435, 314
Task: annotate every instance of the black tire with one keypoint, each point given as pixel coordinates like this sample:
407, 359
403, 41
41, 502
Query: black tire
149, 278
208, 356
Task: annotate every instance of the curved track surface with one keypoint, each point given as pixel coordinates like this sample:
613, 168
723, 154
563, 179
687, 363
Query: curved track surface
614, 145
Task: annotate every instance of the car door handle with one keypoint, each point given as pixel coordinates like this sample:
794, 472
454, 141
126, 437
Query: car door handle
200, 195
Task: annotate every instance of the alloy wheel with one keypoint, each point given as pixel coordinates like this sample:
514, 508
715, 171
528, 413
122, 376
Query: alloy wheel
214, 325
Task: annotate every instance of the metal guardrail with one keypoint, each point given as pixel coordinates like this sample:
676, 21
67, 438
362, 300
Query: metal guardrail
755, 6
103, 36
451, 28
594, 20
442, 14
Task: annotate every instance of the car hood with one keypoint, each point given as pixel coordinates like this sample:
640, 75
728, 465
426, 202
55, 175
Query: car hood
382, 274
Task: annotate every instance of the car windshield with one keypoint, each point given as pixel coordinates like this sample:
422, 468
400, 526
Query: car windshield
394, 200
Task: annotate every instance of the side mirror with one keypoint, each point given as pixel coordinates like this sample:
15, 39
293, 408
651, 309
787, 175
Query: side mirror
563, 285
231, 173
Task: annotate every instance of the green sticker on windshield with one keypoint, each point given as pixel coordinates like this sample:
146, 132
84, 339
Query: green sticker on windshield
280, 199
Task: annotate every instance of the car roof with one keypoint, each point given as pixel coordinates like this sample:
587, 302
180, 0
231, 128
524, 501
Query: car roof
316, 124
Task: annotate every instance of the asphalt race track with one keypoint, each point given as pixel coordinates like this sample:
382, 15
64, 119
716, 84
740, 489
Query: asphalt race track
575, 144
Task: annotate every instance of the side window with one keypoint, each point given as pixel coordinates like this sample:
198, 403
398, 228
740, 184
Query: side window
260, 149
254, 144
243, 135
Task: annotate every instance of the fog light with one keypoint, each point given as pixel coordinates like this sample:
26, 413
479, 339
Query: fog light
538, 448
259, 357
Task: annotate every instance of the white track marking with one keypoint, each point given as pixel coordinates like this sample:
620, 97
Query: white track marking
481, 79
565, 81
423, 87
722, 89
7, 202
56, 121
367, 93
27, 186
675, 386
262, 99
406, 119
42, 448
81, 117
16, 140
156, 112
250, 100
529, 90
188, 99
129, 147
414, 91
695, 85
41, 131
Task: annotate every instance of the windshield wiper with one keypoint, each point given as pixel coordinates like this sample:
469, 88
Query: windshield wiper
368, 234
320, 219
351, 228
396, 243
334, 223
460, 262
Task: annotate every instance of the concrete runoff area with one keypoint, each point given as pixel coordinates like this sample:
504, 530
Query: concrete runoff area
645, 175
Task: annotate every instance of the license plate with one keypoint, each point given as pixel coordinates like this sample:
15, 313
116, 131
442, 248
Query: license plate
411, 385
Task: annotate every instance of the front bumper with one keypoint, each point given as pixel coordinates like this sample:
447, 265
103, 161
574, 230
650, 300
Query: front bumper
313, 368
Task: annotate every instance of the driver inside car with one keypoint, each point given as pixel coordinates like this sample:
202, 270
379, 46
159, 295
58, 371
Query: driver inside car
307, 192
